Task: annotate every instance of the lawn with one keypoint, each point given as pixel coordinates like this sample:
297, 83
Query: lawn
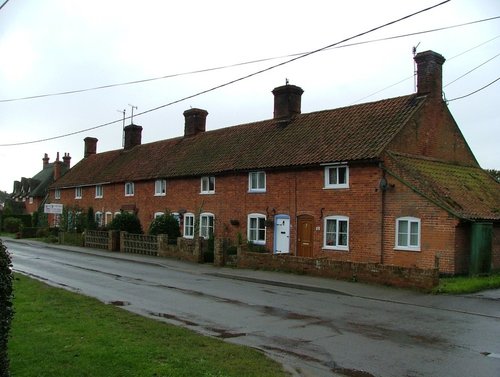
467, 284
60, 333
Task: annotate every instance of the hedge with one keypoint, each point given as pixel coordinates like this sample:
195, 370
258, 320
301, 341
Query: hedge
6, 309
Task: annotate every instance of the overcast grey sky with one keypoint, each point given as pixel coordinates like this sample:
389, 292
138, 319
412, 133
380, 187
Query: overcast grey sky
54, 46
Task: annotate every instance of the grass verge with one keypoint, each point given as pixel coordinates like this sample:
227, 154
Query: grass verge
60, 333
467, 284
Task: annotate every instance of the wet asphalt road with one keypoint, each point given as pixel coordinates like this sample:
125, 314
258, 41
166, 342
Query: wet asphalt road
314, 327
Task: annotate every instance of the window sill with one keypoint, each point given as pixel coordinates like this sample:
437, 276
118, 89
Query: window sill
339, 187
256, 191
207, 193
412, 249
332, 248
164, 194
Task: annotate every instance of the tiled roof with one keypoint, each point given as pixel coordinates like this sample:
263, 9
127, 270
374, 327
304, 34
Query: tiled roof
351, 133
467, 192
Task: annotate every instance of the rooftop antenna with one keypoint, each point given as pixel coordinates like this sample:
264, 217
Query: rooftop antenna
414, 51
123, 126
132, 116
286, 81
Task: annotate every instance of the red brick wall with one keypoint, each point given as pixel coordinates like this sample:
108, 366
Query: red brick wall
439, 237
434, 133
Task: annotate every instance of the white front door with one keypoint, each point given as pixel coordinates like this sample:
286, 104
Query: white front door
281, 234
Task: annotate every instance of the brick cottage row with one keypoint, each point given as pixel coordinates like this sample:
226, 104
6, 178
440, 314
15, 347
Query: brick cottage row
390, 182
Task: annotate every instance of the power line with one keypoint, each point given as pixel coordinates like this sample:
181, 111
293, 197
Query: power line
475, 91
453, 57
5, 2
205, 70
238, 79
472, 70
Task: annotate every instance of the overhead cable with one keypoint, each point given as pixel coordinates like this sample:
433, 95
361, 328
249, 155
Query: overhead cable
237, 79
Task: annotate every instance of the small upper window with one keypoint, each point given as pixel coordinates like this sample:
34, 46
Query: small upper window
160, 187
57, 194
158, 214
129, 189
208, 185
99, 191
78, 192
257, 181
336, 233
336, 177
408, 233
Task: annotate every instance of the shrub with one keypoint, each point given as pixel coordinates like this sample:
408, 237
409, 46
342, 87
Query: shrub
6, 309
42, 232
29, 232
165, 224
12, 225
127, 222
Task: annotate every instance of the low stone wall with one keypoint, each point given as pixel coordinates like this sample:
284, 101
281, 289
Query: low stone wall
363, 272
108, 240
187, 250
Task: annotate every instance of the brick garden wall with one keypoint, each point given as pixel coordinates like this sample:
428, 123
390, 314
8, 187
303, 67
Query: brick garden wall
404, 277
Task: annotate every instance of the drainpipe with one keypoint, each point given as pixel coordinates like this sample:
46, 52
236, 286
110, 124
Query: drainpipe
383, 189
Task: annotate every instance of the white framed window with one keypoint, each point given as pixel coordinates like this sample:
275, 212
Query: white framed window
31, 200
408, 233
257, 181
129, 189
57, 194
208, 185
158, 214
336, 177
206, 225
336, 233
99, 219
99, 191
160, 187
188, 225
256, 229
78, 192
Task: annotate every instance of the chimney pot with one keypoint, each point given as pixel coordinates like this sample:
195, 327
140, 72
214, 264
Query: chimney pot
287, 101
195, 121
90, 146
429, 73
133, 136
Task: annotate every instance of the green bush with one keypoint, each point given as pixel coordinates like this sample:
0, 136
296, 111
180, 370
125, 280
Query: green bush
12, 225
42, 232
127, 222
165, 224
6, 309
29, 232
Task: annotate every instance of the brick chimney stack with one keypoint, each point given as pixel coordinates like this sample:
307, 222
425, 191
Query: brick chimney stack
287, 101
67, 160
45, 160
195, 121
430, 73
57, 168
90, 146
133, 136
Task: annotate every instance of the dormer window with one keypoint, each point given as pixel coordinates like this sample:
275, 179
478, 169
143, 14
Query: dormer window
208, 185
336, 177
129, 189
57, 194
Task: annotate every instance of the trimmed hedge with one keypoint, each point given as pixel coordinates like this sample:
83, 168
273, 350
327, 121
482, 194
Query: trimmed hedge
6, 309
